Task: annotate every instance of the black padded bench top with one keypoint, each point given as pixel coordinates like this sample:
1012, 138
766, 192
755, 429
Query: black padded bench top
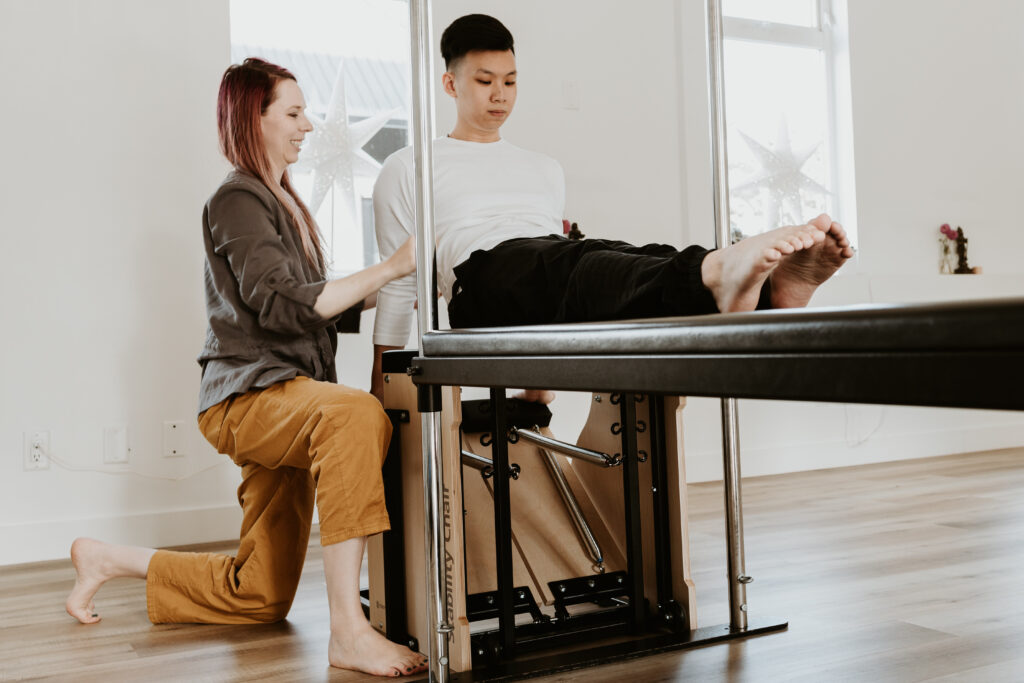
989, 324
964, 354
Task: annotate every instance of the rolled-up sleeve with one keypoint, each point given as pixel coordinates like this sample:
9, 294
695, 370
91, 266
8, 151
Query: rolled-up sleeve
269, 280
394, 222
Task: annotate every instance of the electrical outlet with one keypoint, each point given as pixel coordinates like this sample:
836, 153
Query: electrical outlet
174, 439
37, 450
115, 445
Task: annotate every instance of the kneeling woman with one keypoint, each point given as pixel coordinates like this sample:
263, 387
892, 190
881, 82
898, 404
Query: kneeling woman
270, 401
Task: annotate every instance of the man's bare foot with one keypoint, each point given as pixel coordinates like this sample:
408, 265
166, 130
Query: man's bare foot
92, 570
798, 276
360, 648
536, 396
736, 273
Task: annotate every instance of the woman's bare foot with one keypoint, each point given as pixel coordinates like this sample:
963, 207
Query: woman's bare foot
92, 570
360, 648
735, 274
96, 563
798, 276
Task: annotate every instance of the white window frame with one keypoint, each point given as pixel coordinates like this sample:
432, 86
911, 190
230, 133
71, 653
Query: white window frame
831, 37
337, 240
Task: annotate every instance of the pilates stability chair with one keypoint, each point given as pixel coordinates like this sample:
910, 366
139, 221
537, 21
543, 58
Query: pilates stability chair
590, 545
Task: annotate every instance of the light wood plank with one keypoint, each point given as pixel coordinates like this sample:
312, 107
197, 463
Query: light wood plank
899, 571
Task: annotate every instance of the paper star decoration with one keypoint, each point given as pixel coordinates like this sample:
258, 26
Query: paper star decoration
335, 149
781, 174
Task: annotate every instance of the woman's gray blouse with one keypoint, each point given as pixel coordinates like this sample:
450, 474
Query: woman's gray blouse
260, 291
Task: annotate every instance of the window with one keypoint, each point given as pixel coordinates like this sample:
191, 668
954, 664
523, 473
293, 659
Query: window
787, 109
360, 48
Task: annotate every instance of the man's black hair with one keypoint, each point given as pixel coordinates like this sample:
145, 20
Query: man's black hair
474, 32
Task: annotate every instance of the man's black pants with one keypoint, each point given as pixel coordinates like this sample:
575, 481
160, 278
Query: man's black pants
542, 280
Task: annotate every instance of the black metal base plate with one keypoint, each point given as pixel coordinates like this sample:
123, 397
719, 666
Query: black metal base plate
640, 646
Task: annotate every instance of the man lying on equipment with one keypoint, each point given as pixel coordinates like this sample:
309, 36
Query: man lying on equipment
501, 258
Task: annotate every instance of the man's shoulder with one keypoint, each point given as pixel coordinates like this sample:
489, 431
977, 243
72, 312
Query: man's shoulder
395, 174
402, 158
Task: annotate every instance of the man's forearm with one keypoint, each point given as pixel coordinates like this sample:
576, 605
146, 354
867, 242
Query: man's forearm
377, 374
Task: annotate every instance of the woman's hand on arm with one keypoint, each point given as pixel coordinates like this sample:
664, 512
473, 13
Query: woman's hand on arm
341, 294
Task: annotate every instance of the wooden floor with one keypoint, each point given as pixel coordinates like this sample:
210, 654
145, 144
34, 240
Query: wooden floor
902, 572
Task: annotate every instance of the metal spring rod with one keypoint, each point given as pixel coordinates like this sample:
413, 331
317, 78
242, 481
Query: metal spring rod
477, 462
485, 466
584, 454
573, 506
730, 415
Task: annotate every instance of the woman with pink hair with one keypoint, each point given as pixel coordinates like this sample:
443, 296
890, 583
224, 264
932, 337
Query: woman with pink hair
270, 401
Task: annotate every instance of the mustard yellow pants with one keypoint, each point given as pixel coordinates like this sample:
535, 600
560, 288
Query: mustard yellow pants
293, 440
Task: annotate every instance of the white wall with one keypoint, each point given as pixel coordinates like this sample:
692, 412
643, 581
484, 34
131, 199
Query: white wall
620, 149
937, 103
111, 152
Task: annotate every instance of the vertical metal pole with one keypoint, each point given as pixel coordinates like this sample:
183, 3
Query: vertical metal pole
738, 579
631, 503
659, 496
426, 286
394, 540
437, 588
503, 526
423, 133
723, 238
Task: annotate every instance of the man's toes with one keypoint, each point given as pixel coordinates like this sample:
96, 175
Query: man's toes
800, 241
822, 222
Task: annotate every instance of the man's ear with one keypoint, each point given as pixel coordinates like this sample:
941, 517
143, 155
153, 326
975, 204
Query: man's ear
448, 81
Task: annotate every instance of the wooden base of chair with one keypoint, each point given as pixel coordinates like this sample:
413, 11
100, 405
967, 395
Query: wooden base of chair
547, 549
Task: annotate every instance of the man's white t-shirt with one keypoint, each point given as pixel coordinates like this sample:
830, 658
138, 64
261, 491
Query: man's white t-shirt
484, 193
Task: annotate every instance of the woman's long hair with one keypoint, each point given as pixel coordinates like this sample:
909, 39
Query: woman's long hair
246, 90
